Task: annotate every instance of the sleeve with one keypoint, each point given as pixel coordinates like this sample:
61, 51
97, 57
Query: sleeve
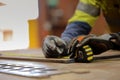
81, 22
75, 29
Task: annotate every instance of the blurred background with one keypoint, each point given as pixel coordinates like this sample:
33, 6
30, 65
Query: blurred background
25, 23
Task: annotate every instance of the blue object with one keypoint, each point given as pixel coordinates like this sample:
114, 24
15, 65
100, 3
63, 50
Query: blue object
75, 29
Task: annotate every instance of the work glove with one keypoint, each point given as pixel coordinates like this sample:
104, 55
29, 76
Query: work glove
54, 47
82, 48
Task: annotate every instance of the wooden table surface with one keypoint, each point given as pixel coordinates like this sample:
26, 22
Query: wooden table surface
105, 66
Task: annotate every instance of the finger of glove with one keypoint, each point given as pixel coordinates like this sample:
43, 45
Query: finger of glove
50, 43
72, 46
51, 54
59, 41
60, 45
53, 46
84, 42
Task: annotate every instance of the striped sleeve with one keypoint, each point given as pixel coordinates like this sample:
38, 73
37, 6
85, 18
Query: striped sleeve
86, 11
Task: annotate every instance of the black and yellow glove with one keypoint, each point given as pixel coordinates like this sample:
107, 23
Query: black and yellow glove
82, 53
82, 48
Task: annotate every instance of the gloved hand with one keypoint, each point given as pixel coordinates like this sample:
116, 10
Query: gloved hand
54, 47
98, 44
83, 47
81, 53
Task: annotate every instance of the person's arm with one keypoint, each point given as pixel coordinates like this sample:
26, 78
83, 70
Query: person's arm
74, 29
80, 24
82, 21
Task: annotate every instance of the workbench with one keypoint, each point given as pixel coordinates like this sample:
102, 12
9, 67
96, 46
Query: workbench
105, 66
